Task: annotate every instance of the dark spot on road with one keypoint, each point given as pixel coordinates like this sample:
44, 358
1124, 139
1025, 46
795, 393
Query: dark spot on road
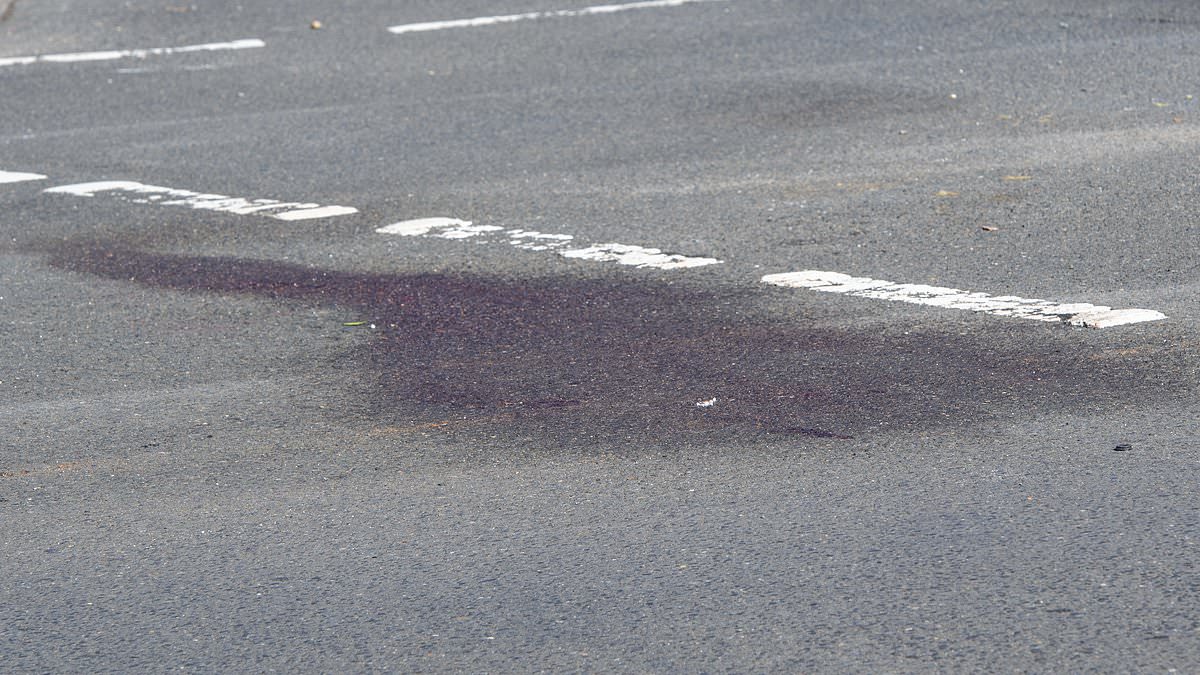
595, 362
7, 13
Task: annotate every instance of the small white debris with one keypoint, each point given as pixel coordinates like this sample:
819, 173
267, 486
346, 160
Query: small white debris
706, 404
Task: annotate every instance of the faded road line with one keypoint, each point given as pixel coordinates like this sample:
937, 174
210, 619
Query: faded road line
112, 55
164, 196
1076, 314
531, 240
18, 177
532, 16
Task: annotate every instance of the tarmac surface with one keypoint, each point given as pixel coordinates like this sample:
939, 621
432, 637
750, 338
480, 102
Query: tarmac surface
567, 426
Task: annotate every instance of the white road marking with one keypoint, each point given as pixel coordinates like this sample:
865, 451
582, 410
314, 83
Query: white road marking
18, 177
1076, 314
139, 193
532, 16
532, 240
422, 226
623, 254
112, 55
319, 212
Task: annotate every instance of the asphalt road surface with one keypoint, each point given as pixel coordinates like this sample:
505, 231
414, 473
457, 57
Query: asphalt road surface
681, 336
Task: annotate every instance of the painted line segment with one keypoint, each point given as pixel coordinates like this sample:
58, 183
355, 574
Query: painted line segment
112, 55
637, 256
19, 177
139, 193
1075, 314
532, 240
481, 21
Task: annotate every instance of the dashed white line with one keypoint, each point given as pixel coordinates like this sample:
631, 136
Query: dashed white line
19, 177
1075, 314
140, 193
480, 21
532, 240
112, 55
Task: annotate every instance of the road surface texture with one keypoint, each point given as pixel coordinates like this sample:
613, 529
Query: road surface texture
523, 335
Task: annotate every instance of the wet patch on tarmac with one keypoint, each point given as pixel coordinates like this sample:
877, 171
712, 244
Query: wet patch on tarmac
595, 362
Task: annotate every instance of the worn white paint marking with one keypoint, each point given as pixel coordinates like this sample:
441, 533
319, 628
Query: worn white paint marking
18, 177
637, 256
1076, 314
1115, 317
449, 228
532, 240
140, 193
90, 189
421, 226
481, 21
320, 212
467, 231
112, 55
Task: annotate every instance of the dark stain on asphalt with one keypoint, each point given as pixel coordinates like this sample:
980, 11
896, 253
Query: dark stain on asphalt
593, 362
